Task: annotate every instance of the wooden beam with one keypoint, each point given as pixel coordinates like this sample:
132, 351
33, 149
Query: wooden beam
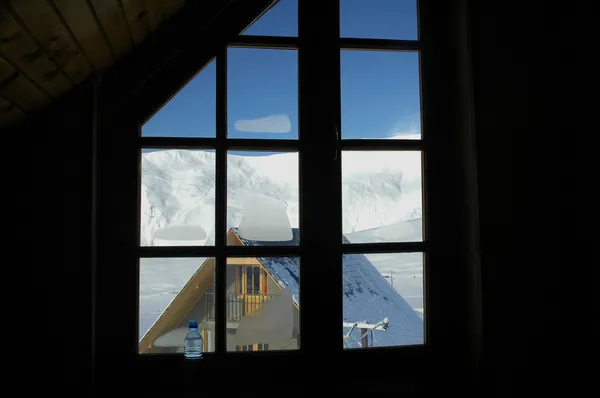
18, 90
80, 21
21, 51
170, 7
137, 18
36, 40
6, 71
242, 261
112, 21
155, 14
46, 26
10, 114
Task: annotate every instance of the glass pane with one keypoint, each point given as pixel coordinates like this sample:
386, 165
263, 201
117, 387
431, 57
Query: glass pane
191, 112
383, 300
262, 93
380, 95
279, 20
379, 19
177, 197
382, 196
262, 198
266, 315
174, 291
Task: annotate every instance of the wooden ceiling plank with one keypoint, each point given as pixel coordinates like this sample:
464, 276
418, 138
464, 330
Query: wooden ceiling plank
137, 18
21, 51
81, 22
22, 92
115, 26
46, 25
10, 113
155, 14
170, 7
6, 71
19, 90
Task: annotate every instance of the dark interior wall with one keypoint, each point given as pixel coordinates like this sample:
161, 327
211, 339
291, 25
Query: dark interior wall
47, 175
48, 166
518, 54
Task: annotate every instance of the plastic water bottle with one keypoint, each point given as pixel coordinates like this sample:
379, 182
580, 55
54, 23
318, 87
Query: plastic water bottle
192, 345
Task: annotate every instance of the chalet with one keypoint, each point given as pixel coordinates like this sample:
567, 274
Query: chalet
263, 305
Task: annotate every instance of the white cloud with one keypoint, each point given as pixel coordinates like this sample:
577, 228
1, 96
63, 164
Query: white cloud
405, 136
269, 124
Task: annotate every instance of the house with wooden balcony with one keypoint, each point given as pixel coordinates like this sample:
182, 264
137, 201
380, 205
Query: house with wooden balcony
262, 304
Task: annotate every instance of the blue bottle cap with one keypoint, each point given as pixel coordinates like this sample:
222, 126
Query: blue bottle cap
194, 324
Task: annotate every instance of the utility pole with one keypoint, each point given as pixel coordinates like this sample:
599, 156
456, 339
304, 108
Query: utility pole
390, 278
364, 341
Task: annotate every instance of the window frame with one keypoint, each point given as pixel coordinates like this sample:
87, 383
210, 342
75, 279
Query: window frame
241, 280
319, 146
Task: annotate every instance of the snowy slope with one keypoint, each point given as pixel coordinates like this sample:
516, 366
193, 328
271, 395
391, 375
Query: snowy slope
379, 188
381, 194
368, 297
405, 269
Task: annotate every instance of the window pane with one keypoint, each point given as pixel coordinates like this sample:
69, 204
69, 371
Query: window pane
380, 95
262, 93
280, 20
383, 300
249, 281
262, 198
174, 291
379, 19
191, 112
270, 315
256, 280
382, 196
177, 197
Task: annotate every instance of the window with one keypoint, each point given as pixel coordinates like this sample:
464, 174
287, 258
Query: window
245, 189
340, 184
251, 280
252, 347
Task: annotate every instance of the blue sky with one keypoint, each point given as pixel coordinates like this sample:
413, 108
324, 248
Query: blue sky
380, 90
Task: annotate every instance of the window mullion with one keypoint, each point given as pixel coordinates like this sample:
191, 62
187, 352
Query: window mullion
221, 204
320, 178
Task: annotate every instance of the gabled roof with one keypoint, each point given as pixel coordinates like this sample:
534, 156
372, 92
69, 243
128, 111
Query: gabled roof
367, 295
285, 270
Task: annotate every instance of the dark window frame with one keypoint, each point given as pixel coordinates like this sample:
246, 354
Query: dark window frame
319, 147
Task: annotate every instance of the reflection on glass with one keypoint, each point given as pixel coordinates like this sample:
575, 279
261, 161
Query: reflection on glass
262, 93
279, 20
174, 291
262, 196
262, 301
379, 19
383, 300
177, 198
382, 196
380, 95
191, 112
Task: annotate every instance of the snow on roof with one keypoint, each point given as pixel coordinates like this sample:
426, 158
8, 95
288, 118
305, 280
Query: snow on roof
367, 295
285, 270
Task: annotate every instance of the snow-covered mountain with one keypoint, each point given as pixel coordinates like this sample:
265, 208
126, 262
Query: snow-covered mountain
379, 189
